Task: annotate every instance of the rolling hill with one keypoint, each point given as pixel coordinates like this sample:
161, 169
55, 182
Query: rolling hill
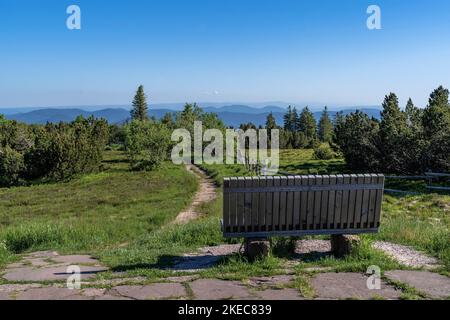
232, 115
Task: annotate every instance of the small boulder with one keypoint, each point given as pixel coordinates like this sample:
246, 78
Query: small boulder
342, 245
256, 248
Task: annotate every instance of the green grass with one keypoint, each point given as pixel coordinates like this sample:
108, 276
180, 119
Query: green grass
302, 162
421, 221
122, 218
94, 212
291, 161
218, 172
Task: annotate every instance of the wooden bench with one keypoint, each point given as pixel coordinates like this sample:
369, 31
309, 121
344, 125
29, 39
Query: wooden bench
261, 207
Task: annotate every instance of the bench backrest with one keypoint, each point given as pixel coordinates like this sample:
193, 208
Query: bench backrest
302, 205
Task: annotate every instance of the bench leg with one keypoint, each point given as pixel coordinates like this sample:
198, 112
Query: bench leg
342, 245
256, 248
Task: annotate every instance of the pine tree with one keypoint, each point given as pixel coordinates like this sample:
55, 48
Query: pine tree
271, 123
325, 127
294, 119
288, 125
167, 119
436, 128
356, 136
307, 124
393, 134
412, 114
140, 108
436, 118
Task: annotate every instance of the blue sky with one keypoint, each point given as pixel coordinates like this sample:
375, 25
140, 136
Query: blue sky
313, 51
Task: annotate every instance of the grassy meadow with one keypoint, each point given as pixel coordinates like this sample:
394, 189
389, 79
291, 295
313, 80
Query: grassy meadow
122, 217
94, 212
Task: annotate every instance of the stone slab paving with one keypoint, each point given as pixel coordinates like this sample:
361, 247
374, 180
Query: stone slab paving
50, 273
51, 293
274, 281
349, 286
279, 294
30, 278
432, 284
153, 291
5, 296
50, 266
76, 259
213, 289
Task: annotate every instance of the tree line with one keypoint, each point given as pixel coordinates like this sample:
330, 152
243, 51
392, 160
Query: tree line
53, 152
302, 130
412, 141
409, 141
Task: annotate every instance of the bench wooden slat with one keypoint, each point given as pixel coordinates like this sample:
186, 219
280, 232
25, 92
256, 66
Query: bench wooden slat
324, 204
226, 206
296, 206
304, 204
248, 205
255, 205
262, 206
276, 206
359, 201
269, 205
233, 205
345, 204
379, 202
338, 204
283, 204
352, 202
366, 203
241, 206
310, 207
372, 205
331, 202
290, 205
317, 204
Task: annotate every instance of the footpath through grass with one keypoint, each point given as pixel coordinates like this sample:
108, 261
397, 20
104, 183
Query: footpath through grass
94, 212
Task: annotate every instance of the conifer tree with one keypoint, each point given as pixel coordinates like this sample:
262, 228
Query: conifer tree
436, 128
413, 114
325, 127
288, 120
140, 108
307, 124
436, 118
271, 122
393, 133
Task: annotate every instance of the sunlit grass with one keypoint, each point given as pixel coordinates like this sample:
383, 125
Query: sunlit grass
93, 212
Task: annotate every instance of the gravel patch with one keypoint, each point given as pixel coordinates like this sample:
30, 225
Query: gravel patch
312, 246
407, 255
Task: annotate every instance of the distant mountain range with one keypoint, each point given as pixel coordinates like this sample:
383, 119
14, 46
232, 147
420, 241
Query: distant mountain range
232, 115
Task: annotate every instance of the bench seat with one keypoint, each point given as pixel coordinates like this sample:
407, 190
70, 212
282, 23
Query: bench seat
262, 207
